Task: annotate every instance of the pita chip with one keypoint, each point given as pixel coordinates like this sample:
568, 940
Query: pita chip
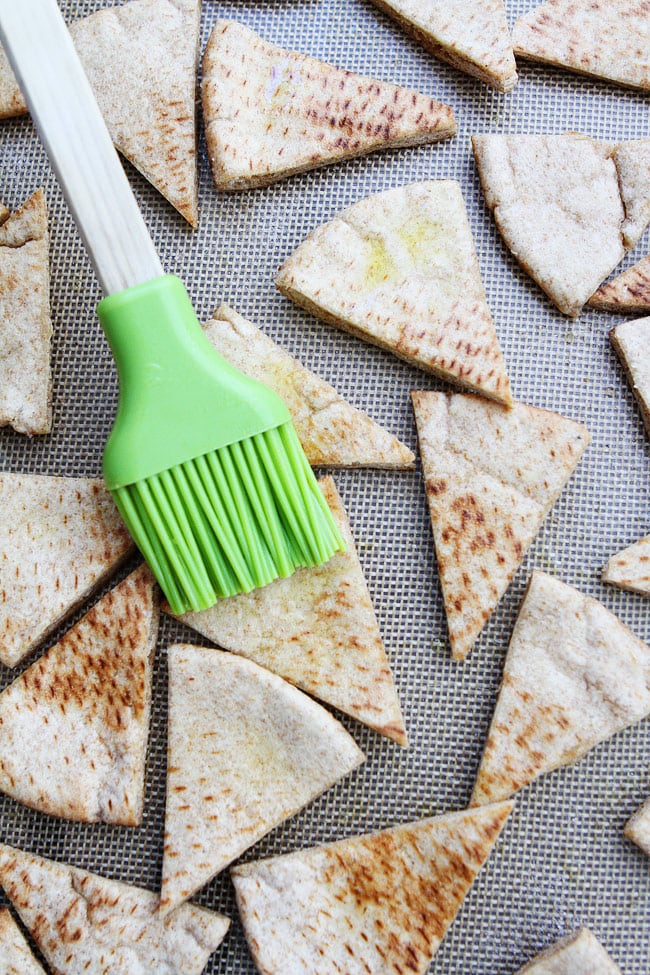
245, 751
607, 39
332, 432
399, 269
74, 726
12, 102
270, 113
637, 827
630, 569
580, 953
141, 59
59, 539
318, 630
471, 35
25, 323
370, 905
15, 956
631, 341
627, 293
574, 675
491, 477
567, 206
84, 924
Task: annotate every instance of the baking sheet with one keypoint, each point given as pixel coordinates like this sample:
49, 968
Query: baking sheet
562, 860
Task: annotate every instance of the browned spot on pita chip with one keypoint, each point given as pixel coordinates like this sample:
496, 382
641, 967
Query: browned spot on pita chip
627, 293
630, 569
15, 956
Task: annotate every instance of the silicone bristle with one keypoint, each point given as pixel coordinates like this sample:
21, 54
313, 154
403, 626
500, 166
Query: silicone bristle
230, 521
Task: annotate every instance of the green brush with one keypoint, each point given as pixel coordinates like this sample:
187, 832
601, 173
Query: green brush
203, 463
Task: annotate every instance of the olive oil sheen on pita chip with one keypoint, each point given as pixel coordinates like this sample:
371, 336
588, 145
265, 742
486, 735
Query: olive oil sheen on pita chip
491, 477
573, 676
370, 905
270, 113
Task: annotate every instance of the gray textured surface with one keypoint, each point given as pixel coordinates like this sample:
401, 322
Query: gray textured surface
562, 860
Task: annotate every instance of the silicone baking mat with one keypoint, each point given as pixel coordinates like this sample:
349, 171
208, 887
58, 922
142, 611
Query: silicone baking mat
562, 860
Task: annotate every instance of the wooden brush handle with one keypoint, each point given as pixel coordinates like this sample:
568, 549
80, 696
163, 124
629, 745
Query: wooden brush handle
71, 126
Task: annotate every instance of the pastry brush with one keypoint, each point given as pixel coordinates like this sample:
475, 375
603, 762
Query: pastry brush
203, 463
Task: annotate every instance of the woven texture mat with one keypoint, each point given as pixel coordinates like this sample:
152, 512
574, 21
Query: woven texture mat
562, 860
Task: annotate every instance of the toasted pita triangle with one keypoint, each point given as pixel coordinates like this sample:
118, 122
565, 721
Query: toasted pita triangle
603, 38
12, 102
59, 538
378, 904
632, 343
317, 629
491, 476
630, 569
579, 953
471, 35
87, 924
15, 956
399, 269
74, 725
270, 113
568, 207
246, 751
637, 828
629, 292
25, 323
574, 675
332, 432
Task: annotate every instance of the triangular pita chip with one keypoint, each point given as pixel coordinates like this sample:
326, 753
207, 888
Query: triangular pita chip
629, 292
15, 956
59, 538
580, 953
25, 323
141, 59
472, 35
399, 269
245, 751
630, 569
332, 432
378, 904
74, 726
88, 925
632, 343
604, 38
573, 676
270, 113
491, 477
568, 207
317, 629
637, 827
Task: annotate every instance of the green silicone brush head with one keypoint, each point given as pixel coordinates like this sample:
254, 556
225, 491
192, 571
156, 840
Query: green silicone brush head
204, 463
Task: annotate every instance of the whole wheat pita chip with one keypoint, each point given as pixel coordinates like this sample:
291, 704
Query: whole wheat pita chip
491, 477
637, 827
15, 956
630, 569
627, 293
25, 323
471, 35
579, 953
245, 751
74, 726
141, 59
574, 675
59, 538
632, 343
317, 629
603, 38
332, 432
270, 113
89, 925
370, 905
12, 102
399, 269
568, 207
